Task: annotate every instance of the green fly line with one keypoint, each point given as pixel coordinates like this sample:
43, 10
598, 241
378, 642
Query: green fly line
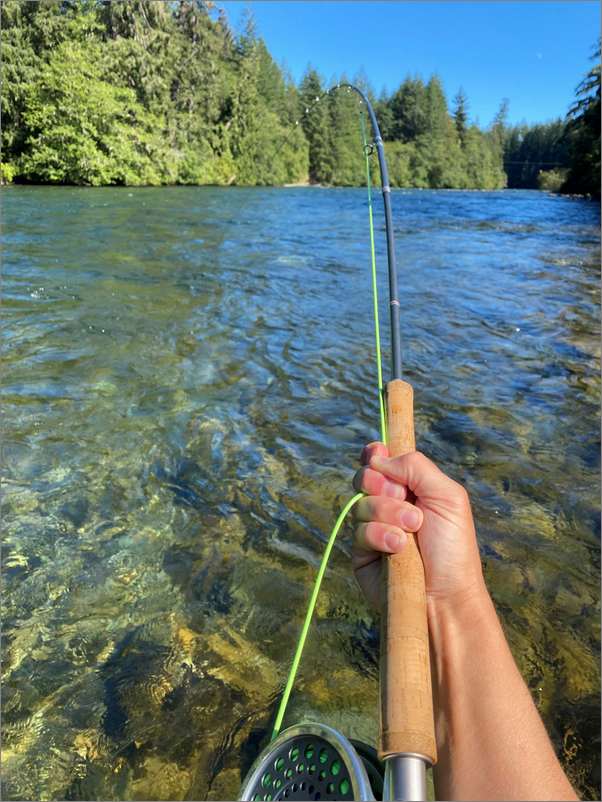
383, 432
379, 366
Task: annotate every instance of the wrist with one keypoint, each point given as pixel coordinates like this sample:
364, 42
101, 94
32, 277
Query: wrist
462, 628
464, 608
460, 621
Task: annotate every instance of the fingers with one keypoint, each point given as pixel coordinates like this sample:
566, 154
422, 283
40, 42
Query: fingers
374, 483
380, 509
419, 474
380, 537
375, 449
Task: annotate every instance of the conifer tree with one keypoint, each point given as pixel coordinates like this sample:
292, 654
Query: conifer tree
384, 115
583, 133
156, 92
529, 150
344, 108
409, 106
461, 114
499, 124
435, 108
316, 123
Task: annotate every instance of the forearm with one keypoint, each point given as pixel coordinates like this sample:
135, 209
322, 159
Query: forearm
492, 743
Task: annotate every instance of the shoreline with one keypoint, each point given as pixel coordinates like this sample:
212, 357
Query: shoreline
299, 185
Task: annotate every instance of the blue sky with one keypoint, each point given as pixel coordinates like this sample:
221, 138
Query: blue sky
533, 53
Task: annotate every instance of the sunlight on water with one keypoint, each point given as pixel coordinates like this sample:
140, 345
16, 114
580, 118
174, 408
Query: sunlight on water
188, 382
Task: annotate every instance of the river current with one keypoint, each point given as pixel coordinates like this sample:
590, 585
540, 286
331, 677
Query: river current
188, 381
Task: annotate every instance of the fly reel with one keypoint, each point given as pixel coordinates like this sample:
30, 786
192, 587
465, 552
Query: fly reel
314, 761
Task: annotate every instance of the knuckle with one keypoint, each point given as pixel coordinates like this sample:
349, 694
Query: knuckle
359, 536
458, 495
376, 535
393, 490
462, 494
377, 506
419, 458
387, 510
373, 482
372, 449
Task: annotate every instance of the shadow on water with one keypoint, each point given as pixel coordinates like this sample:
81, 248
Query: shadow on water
188, 382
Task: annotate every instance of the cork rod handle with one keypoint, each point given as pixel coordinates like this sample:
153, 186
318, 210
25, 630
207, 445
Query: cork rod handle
406, 698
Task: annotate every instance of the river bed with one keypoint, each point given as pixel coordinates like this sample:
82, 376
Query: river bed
188, 381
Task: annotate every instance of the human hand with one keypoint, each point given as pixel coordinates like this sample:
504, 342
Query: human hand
410, 494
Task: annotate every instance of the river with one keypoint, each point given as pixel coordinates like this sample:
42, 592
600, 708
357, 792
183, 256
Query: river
188, 381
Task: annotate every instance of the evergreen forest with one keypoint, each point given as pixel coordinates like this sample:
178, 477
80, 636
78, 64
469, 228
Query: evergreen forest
141, 92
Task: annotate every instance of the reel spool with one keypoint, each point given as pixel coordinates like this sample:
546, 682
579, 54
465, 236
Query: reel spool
314, 762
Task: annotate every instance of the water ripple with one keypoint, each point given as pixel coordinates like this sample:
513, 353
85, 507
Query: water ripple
188, 381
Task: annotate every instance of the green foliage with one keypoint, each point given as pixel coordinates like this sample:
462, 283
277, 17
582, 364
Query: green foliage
423, 145
145, 92
442, 163
315, 119
435, 149
265, 149
552, 180
349, 162
583, 135
483, 161
384, 115
461, 114
80, 129
400, 164
528, 150
141, 92
437, 117
409, 107
561, 155
7, 172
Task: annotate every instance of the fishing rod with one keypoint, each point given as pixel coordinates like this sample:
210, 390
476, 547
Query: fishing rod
315, 761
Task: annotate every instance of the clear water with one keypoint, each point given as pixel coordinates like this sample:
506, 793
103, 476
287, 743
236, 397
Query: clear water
188, 382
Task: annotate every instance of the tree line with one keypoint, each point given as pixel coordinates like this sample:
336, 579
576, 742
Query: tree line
427, 146
561, 155
134, 92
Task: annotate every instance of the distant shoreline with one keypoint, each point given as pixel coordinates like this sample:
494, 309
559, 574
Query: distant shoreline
298, 185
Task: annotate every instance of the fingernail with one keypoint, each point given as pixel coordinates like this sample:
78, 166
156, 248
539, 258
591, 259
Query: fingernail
394, 540
409, 518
